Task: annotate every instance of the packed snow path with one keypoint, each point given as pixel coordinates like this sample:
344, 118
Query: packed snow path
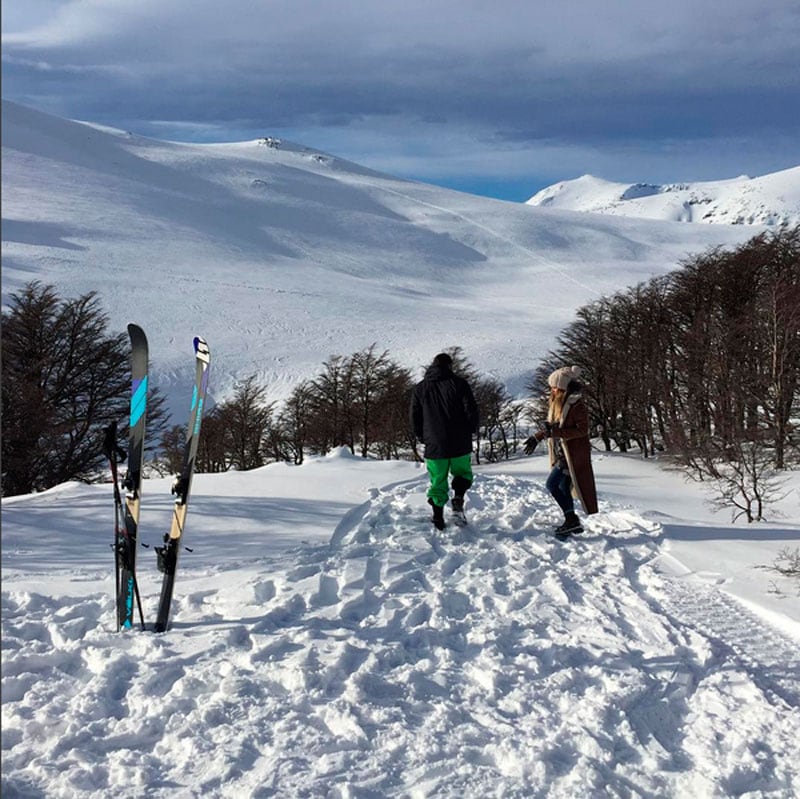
486, 661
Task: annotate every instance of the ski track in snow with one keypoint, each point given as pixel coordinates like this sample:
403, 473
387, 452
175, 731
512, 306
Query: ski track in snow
485, 661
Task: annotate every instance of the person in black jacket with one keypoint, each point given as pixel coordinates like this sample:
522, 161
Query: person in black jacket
444, 416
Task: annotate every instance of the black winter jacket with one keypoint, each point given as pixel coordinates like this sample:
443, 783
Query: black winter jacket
444, 414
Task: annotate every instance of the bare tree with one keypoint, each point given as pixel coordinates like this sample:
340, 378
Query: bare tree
329, 421
65, 378
293, 421
245, 419
493, 402
704, 362
742, 474
390, 431
213, 455
367, 373
171, 446
779, 309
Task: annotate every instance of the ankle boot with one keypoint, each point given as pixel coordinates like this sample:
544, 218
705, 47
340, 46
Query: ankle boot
571, 524
438, 515
460, 486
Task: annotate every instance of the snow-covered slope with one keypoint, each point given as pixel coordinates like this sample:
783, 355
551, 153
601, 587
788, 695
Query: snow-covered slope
768, 200
282, 256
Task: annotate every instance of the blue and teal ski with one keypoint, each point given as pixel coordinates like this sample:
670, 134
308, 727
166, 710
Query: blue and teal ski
173, 540
126, 533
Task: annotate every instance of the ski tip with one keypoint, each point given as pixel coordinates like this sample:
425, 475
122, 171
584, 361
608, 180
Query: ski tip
137, 337
201, 349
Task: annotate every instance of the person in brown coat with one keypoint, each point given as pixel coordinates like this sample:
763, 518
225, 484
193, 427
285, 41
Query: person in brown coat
567, 433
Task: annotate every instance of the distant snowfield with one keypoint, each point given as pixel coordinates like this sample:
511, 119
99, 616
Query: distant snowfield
767, 200
326, 641
281, 256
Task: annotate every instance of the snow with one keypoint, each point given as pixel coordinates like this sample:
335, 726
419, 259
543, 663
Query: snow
766, 200
282, 256
325, 640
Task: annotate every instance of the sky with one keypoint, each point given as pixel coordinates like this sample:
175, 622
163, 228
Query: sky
500, 99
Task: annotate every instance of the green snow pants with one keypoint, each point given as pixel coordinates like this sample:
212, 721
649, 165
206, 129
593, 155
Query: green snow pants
438, 470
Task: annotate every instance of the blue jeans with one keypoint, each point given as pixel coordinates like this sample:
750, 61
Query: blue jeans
559, 484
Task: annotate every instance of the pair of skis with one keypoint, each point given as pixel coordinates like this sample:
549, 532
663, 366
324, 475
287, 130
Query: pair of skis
126, 533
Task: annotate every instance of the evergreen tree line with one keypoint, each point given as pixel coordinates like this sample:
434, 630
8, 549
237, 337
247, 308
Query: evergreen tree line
702, 364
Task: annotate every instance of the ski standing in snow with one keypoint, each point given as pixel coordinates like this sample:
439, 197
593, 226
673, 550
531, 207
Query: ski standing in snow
444, 417
168, 554
567, 434
126, 535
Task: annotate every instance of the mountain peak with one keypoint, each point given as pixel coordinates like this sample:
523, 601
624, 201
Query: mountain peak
772, 199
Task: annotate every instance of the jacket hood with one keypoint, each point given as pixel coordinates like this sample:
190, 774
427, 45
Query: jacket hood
435, 372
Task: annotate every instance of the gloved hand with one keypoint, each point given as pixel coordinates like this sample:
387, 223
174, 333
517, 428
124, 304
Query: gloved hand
530, 445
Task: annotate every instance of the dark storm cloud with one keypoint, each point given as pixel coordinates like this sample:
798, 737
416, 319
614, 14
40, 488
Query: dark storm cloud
572, 74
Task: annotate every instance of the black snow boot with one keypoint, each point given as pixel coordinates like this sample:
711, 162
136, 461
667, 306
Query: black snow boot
461, 486
458, 516
438, 515
571, 525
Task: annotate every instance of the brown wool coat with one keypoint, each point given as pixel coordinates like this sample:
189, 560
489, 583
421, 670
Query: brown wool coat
573, 431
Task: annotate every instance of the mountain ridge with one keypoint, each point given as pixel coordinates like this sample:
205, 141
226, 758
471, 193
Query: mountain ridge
771, 200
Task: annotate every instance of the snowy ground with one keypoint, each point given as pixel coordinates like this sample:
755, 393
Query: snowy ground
327, 643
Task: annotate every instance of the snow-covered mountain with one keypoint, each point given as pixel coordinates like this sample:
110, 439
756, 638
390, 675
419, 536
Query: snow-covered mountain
282, 256
768, 200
